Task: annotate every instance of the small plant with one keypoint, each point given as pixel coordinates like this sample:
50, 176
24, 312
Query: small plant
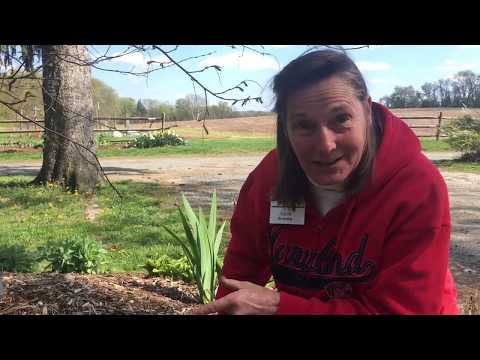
201, 246
158, 138
464, 135
102, 139
75, 254
15, 258
163, 265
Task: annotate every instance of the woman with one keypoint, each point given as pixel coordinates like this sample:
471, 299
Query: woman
347, 214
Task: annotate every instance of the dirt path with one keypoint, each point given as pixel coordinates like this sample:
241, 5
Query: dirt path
197, 177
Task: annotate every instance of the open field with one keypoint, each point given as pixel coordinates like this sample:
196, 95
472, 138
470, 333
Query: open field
265, 125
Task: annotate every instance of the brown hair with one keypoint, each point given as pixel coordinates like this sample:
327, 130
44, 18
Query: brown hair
308, 69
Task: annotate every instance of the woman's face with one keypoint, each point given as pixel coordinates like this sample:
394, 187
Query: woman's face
326, 126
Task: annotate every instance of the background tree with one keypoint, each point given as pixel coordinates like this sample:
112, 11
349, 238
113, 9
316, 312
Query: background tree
69, 112
428, 95
127, 106
156, 108
462, 90
141, 109
106, 99
182, 110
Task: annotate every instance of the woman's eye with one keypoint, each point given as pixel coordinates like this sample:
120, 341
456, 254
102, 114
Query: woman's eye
303, 125
342, 118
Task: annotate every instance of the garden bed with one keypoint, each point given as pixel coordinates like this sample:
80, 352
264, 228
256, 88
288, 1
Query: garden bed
74, 294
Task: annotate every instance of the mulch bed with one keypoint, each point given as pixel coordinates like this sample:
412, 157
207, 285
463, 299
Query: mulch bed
75, 294
124, 294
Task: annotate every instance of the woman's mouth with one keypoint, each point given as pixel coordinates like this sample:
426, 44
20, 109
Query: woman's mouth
328, 163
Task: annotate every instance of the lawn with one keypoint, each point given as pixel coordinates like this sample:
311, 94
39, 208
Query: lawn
194, 147
458, 166
221, 143
129, 229
432, 145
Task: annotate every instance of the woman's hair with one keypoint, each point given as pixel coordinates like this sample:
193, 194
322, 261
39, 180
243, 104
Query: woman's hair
306, 70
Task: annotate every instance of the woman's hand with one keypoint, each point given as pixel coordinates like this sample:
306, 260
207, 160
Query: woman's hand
247, 299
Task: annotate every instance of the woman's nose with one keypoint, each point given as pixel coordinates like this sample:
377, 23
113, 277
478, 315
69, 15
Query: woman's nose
325, 140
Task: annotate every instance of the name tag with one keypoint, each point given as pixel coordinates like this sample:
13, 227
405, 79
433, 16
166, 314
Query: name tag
285, 215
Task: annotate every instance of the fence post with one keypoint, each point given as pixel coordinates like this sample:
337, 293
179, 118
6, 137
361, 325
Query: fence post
31, 126
21, 119
437, 136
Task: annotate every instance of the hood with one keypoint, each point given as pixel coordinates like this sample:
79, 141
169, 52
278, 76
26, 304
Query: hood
398, 147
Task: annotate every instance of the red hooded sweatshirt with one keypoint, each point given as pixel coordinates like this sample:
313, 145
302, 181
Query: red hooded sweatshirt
383, 250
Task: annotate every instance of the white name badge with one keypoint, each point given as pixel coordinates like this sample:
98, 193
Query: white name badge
284, 215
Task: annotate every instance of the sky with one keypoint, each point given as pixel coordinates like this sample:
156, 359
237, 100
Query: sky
383, 66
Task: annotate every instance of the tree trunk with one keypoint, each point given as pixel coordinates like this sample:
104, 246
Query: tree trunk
68, 105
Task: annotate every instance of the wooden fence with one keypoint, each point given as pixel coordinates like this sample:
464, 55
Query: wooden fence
114, 123
439, 119
124, 124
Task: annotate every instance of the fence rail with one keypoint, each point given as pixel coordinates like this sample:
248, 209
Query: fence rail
97, 119
96, 130
437, 126
155, 120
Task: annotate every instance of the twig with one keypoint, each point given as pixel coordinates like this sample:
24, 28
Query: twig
188, 73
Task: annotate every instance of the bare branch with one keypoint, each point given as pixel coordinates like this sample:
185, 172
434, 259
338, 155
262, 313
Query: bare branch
217, 95
174, 49
244, 82
18, 101
130, 50
216, 67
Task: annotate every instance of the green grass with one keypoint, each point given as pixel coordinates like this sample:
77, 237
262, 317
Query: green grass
434, 145
131, 230
198, 147
458, 165
194, 147
231, 145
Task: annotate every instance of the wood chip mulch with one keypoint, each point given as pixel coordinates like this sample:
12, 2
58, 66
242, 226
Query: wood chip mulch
75, 294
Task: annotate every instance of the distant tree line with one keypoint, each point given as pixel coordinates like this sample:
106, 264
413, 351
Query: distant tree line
108, 103
463, 90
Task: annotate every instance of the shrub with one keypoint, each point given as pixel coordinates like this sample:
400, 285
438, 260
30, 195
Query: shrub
75, 254
158, 138
163, 265
464, 135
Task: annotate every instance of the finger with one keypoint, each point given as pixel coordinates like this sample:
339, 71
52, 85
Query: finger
233, 284
217, 306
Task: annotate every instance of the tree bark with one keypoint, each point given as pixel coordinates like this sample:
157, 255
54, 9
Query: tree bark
69, 110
